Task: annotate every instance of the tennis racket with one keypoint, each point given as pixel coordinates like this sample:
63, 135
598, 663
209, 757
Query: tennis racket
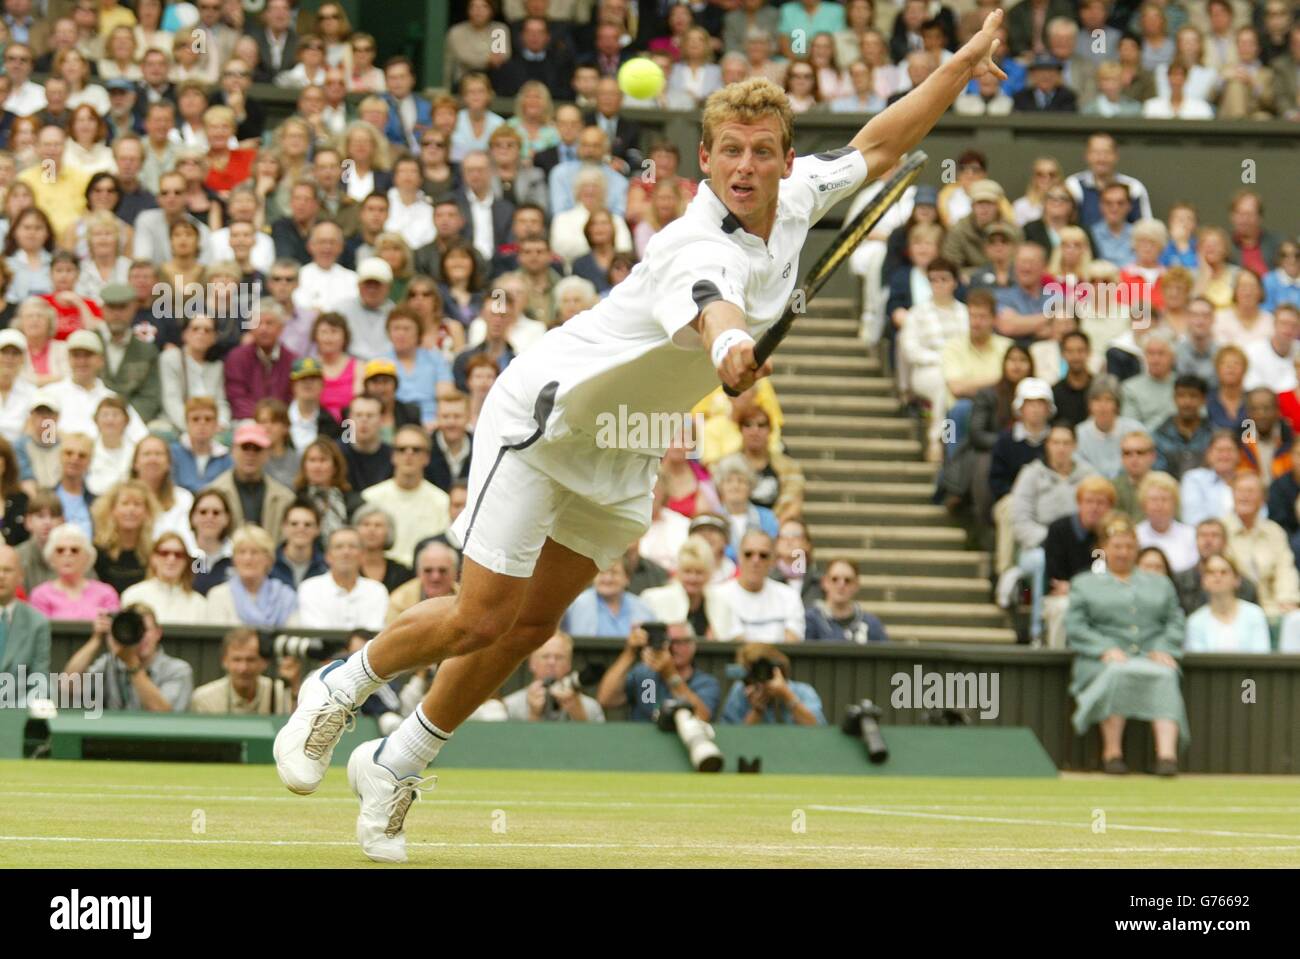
853, 233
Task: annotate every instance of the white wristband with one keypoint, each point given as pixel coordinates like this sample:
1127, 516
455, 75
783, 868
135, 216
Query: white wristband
725, 341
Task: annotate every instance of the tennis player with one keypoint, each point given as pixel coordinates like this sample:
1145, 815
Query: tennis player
548, 506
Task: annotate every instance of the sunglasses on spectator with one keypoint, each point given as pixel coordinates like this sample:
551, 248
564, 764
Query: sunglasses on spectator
170, 553
1139, 452
759, 553
411, 449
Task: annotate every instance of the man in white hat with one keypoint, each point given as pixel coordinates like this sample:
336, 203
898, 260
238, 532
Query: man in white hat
16, 393
1013, 450
367, 311
79, 393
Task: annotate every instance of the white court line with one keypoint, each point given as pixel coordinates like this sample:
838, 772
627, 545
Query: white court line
655, 846
951, 817
512, 801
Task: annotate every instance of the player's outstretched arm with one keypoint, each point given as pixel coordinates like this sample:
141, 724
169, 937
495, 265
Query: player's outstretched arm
900, 127
736, 366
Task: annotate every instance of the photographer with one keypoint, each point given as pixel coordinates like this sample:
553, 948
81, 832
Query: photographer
137, 675
766, 696
551, 696
643, 677
244, 690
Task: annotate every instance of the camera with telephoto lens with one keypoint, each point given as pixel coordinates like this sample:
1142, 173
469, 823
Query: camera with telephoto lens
696, 735
127, 627
588, 676
863, 721
299, 647
761, 671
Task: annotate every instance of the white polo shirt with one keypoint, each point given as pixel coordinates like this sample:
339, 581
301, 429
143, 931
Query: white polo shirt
323, 290
635, 349
324, 604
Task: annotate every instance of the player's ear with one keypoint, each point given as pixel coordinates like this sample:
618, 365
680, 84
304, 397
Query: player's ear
789, 162
704, 158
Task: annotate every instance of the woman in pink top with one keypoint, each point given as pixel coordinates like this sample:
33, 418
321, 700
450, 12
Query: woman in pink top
342, 377
71, 595
47, 358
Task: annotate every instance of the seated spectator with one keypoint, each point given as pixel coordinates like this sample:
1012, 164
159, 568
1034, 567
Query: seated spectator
1211, 541
1282, 285
376, 528
965, 242
299, 555
691, 599
545, 699
169, 588
778, 480
70, 595
1126, 627
606, 608
1226, 623
1015, 448
124, 518
715, 531
342, 598
796, 565
839, 617
1149, 396
1158, 503
1023, 305
991, 412
1282, 493
244, 690
140, 677
436, 567
74, 453
1206, 492
460, 283
1175, 289
1137, 459
1100, 435
1112, 234
671, 670
568, 228
535, 121
46, 359
766, 611
1260, 547
282, 459
667, 532
536, 56
419, 371
988, 98
111, 460
187, 373
1267, 448
1226, 405
322, 482
574, 295
1046, 91
27, 633
1070, 392
16, 393
369, 458
422, 506
1044, 491
308, 420
197, 456
259, 368
1182, 439
1068, 551
211, 523
1272, 361
723, 415
254, 497
777, 699
642, 573
972, 362
1244, 321
1215, 275
735, 482
1110, 100
44, 512
251, 596
1246, 91
927, 328
1177, 104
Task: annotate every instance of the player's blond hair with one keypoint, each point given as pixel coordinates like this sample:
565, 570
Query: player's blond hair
749, 101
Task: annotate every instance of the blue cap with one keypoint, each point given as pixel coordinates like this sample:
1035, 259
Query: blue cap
119, 83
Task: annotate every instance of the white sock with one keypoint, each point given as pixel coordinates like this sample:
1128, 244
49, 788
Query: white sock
355, 678
413, 746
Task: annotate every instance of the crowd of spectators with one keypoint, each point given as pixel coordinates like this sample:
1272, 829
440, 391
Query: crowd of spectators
243, 361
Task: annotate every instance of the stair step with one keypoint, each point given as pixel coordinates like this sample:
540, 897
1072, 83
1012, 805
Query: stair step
868, 469
850, 491
809, 424
821, 383
827, 403
915, 562
889, 515
841, 328
849, 534
843, 364
810, 448
939, 614
800, 342
927, 589
908, 633
847, 305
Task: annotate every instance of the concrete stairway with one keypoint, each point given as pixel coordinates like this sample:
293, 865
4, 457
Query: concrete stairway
868, 494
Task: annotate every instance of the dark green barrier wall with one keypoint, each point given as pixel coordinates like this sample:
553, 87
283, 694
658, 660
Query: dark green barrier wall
1228, 735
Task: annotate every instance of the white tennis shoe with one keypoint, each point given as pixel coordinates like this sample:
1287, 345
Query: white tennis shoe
305, 744
385, 800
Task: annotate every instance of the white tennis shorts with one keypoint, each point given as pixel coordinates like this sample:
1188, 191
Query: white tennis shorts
522, 491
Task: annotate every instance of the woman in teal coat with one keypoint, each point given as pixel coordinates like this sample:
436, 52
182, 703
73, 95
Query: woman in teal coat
1126, 627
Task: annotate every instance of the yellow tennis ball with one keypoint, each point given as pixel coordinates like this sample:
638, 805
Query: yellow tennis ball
641, 78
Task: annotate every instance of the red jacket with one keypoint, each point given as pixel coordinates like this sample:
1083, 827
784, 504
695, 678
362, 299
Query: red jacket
248, 379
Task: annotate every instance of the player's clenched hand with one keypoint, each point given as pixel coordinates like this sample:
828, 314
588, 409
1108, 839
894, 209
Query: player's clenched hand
738, 369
